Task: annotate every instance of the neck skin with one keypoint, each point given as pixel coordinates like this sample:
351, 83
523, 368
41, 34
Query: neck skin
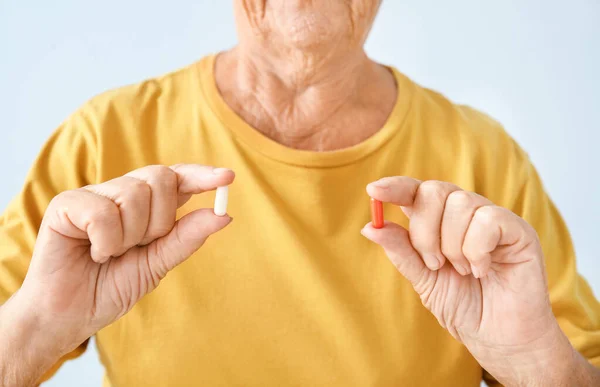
307, 100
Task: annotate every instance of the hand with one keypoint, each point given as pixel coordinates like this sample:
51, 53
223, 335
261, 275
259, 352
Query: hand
478, 268
101, 248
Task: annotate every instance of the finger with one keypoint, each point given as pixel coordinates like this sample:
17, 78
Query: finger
84, 215
398, 190
188, 235
173, 187
396, 243
424, 203
132, 198
164, 198
426, 221
194, 179
458, 212
490, 228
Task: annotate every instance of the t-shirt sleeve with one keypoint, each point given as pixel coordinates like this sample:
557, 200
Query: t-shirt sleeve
65, 162
573, 302
517, 186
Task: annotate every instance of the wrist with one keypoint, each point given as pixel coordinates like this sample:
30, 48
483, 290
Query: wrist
550, 360
563, 367
551, 365
28, 345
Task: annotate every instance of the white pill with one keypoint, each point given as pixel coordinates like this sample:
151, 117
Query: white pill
221, 201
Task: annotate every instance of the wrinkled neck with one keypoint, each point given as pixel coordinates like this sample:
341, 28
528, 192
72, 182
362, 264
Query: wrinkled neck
305, 99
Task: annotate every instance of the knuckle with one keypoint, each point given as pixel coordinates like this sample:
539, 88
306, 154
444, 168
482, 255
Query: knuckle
65, 199
138, 189
431, 187
461, 199
488, 215
434, 191
527, 231
105, 211
163, 175
61, 199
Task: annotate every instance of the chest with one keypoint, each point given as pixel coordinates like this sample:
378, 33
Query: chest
290, 293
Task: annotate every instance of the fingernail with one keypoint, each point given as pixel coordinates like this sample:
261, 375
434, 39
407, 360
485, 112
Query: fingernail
476, 272
462, 270
381, 183
431, 261
218, 171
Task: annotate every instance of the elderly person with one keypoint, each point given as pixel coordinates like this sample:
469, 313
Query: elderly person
482, 280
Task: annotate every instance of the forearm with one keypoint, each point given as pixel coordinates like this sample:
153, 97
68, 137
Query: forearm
26, 351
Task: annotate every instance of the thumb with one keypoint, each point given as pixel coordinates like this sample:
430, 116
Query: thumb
396, 243
187, 236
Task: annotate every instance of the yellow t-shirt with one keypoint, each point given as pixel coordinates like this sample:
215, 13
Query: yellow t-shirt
290, 294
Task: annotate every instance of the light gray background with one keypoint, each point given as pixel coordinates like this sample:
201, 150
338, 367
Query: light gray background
532, 64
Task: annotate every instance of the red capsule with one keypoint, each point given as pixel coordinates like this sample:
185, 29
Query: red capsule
376, 213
